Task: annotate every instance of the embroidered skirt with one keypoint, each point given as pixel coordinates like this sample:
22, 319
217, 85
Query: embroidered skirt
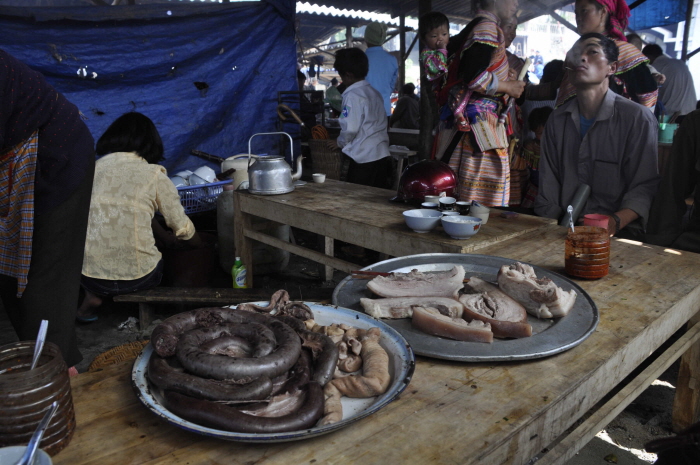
484, 177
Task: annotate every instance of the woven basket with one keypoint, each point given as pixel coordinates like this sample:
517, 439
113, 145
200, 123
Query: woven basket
122, 353
325, 160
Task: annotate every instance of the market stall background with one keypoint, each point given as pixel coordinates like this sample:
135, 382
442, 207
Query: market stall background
207, 73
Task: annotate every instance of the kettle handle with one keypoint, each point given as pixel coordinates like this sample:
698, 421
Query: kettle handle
291, 142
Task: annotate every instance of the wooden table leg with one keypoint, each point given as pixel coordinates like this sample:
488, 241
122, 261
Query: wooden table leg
686, 403
244, 244
145, 315
399, 170
329, 245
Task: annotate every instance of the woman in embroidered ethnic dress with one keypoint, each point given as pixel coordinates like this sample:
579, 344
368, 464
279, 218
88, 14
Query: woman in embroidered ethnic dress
473, 98
633, 79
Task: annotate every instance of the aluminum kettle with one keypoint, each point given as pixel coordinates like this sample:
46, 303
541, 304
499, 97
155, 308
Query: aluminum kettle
271, 174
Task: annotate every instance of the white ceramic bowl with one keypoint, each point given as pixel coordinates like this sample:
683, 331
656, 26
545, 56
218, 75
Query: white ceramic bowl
319, 177
179, 181
206, 173
196, 180
450, 213
479, 211
12, 454
184, 173
461, 227
483, 216
422, 220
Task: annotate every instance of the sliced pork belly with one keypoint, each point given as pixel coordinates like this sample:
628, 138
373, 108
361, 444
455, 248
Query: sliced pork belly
400, 307
431, 321
419, 284
491, 305
540, 296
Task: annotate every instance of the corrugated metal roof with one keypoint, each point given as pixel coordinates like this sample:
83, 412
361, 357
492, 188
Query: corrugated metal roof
319, 23
459, 11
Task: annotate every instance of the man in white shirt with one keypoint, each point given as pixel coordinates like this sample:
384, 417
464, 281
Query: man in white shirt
363, 123
678, 92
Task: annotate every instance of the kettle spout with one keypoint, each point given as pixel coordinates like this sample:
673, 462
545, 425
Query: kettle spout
297, 175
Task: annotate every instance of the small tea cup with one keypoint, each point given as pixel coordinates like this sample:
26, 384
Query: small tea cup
319, 177
463, 207
447, 203
594, 219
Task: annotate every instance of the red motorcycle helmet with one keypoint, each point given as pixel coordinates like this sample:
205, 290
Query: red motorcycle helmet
427, 177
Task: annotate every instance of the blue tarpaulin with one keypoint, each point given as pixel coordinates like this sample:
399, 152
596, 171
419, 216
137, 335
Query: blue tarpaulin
656, 13
207, 75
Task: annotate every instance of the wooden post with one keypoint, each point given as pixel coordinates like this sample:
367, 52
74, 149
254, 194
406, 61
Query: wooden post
428, 106
243, 244
402, 52
686, 402
686, 30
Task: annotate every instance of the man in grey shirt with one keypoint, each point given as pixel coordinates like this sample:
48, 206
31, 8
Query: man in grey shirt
601, 139
678, 91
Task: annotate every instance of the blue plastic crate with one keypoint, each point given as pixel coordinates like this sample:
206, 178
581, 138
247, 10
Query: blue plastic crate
202, 198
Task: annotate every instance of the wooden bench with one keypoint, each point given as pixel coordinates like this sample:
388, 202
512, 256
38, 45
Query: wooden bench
210, 297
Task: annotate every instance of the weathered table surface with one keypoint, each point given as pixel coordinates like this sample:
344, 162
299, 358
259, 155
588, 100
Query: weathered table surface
358, 215
467, 413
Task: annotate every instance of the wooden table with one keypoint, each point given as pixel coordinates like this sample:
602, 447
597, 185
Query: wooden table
358, 215
466, 413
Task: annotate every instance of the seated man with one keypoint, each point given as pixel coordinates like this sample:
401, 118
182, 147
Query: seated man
405, 115
681, 181
600, 139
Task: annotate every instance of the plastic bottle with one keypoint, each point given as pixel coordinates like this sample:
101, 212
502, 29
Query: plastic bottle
239, 272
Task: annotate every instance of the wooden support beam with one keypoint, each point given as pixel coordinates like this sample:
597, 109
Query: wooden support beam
692, 53
686, 29
410, 48
686, 403
402, 53
563, 450
428, 106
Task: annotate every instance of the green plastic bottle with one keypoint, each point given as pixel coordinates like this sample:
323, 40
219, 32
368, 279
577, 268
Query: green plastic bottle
239, 272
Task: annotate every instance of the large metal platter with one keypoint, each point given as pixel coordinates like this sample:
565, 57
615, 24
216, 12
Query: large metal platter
401, 365
550, 336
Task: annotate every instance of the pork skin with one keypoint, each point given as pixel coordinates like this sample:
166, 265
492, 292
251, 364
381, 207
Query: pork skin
419, 284
400, 307
540, 296
431, 321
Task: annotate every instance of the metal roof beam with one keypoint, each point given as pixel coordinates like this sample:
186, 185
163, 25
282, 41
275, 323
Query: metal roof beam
554, 14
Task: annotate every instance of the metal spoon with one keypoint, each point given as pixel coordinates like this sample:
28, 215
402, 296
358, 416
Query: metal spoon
28, 457
39, 346
570, 211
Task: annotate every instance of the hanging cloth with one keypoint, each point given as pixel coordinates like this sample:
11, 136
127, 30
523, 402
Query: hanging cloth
17, 170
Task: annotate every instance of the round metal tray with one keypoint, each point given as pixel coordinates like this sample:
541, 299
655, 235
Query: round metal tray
401, 366
550, 336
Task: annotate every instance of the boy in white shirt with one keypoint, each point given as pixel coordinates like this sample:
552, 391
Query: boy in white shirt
363, 122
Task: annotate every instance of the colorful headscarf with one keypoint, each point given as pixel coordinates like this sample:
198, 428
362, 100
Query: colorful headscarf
619, 13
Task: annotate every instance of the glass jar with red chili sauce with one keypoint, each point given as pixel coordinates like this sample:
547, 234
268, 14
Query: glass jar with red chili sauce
587, 252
